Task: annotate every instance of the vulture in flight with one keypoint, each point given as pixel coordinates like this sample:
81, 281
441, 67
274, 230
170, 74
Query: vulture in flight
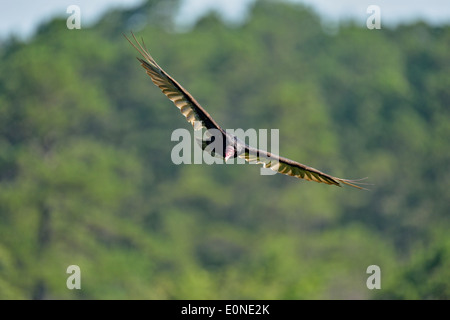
232, 146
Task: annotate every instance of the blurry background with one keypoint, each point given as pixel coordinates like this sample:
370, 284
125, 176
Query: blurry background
86, 176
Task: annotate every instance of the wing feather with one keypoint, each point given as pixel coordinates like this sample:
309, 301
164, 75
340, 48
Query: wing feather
293, 168
189, 107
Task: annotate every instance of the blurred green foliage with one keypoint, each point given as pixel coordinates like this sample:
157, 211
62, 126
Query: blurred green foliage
86, 176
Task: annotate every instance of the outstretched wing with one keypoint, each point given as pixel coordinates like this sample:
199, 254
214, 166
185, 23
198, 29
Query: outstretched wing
293, 168
189, 107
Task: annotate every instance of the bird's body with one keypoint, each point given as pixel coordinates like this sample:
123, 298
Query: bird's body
231, 147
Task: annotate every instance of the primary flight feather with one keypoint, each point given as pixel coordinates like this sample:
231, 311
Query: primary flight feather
233, 147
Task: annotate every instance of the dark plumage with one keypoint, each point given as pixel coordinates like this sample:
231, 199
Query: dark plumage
233, 147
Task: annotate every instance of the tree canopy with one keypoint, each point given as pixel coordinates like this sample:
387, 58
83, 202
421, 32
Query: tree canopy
86, 176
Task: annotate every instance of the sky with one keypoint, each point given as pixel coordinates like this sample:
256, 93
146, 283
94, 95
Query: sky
21, 17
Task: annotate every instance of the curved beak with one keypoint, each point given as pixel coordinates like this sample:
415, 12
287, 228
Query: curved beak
229, 152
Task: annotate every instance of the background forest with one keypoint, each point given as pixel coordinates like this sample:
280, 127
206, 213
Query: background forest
86, 176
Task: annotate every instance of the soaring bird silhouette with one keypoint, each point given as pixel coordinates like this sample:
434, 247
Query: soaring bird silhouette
232, 147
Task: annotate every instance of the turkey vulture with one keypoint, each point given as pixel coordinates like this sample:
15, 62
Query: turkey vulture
233, 147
